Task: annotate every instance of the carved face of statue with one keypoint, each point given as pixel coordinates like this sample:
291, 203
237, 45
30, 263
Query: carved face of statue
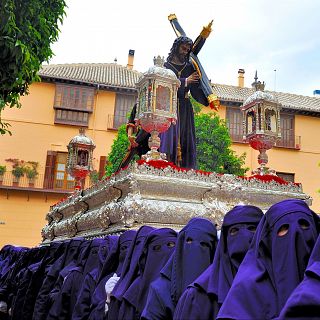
183, 52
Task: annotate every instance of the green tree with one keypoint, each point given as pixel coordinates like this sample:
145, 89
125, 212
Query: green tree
213, 146
118, 150
27, 29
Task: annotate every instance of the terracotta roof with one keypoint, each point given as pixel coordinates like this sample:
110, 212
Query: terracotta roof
288, 100
118, 76
108, 74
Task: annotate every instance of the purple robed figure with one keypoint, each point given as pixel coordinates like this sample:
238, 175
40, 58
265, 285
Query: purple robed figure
93, 289
129, 271
56, 250
158, 248
202, 299
69, 257
92, 257
193, 253
63, 274
182, 137
56, 293
304, 302
275, 263
24, 301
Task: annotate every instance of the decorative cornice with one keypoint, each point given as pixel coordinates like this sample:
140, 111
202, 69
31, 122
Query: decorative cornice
144, 194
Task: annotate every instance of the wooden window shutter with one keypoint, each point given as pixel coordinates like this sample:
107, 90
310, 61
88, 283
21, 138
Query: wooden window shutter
49, 171
102, 165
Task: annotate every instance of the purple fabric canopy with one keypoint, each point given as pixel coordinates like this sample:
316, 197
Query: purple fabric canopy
201, 300
274, 264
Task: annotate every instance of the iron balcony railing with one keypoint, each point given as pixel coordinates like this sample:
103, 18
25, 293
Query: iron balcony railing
290, 142
39, 182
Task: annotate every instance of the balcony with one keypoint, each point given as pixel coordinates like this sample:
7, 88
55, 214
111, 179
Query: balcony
40, 183
290, 143
237, 138
115, 122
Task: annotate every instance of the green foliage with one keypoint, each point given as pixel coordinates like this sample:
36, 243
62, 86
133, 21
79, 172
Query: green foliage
3, 169
27, 30
197, 106
94, 176
18, 171
31, 169
118, 150
213, 146
21, 167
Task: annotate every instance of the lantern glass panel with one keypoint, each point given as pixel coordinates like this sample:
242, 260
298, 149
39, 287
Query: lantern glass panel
271, 121
163, 98
82, 158
250, 126
142, 100
251, 122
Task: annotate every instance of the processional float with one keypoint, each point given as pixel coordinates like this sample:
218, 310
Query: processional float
155, 192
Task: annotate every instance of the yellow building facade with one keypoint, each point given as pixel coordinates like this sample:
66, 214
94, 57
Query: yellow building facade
98, 98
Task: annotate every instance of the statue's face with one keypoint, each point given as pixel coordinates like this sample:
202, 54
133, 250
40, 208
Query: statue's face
183, 52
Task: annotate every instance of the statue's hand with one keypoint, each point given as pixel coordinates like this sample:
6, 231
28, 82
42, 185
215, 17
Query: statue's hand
194, 77
133, 143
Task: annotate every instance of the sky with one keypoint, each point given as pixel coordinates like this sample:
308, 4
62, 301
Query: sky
278, 38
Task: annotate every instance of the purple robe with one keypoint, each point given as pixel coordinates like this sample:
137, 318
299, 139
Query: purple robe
19, 283
194, 252
184, 130
43, 302
304, 301
91, 257
129, 271
113, 264
56, 250
202, 299
275, 263
158, 247
87, 298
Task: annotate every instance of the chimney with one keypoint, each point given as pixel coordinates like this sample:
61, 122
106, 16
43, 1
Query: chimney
130, 59
241, 78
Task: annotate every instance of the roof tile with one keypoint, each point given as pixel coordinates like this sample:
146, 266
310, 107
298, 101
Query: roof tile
115, 75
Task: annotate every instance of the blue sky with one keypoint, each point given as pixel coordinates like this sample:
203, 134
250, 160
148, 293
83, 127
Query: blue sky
281, 35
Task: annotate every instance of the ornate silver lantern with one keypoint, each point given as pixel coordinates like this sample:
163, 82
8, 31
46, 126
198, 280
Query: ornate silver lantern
261, 123
157, 104
79, 163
